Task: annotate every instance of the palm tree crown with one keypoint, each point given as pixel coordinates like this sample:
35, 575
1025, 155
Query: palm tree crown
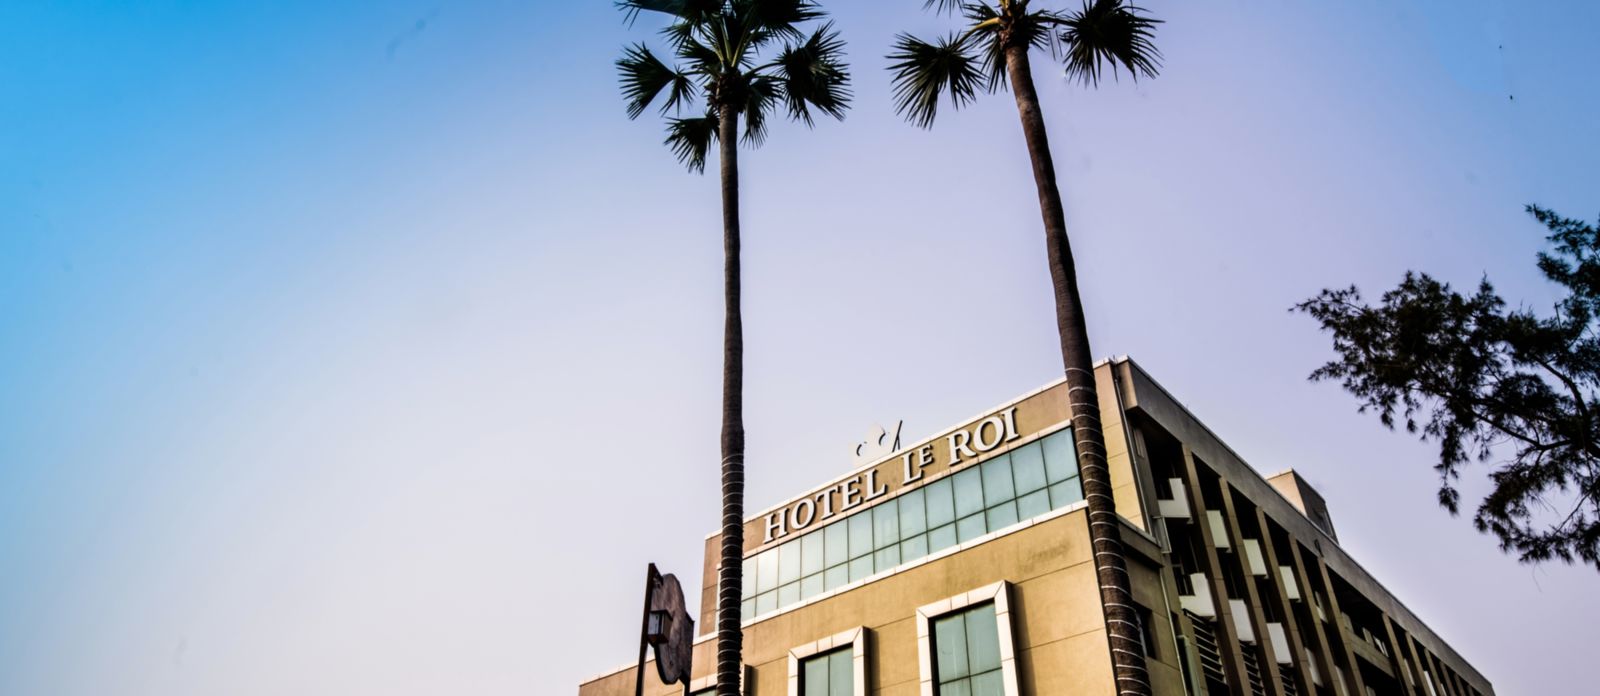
750, 56
1101, 34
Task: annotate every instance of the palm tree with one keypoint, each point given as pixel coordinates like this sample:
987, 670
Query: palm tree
735, 59
990, 54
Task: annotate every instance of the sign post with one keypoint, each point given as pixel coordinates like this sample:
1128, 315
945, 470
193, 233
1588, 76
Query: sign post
667, 626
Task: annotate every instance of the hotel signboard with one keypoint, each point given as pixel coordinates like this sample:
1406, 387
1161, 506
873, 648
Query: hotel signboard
992, 433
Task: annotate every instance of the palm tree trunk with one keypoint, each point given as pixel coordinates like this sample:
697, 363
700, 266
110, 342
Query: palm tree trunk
1105, 534
730, 638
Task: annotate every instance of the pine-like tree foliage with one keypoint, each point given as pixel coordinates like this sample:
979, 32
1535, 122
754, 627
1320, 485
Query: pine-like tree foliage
1507, 387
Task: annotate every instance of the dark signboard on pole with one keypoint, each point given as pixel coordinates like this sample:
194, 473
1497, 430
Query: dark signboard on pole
666, 626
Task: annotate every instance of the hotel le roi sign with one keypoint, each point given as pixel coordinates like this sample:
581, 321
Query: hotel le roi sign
958, 448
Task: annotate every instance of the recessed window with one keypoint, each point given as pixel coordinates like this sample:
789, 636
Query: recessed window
966, 647
832, 666
828, 674
966, 653
1147, 630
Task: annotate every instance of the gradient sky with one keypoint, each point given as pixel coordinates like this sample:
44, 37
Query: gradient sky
368, 348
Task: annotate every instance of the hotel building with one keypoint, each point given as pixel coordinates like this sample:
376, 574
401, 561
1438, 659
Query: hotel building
961, 565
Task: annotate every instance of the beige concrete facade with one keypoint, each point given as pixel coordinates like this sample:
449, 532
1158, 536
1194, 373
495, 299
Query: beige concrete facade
1244, 593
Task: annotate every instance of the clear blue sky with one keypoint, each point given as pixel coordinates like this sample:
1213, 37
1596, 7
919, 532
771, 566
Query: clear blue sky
367, 348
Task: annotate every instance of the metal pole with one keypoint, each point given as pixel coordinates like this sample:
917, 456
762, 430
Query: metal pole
644, 625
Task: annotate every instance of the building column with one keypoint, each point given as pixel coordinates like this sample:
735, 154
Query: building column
1263, 642
1424, 661
1457, 682
1324, 651
1185, 630
1442, 674
1395, 657
1281, 597
1227, 633
1353, 668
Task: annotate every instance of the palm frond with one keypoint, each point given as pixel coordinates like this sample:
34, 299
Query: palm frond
690, 139
1032, 29
761, 95
1109, 32
986, 21
813, 74
716, 46
680, 32
699, 57
776, 19
726, 36
644, 76
688, 10
945, 6
1035, 28
923, 71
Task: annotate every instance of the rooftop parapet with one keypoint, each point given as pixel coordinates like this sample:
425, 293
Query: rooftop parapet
1299, 492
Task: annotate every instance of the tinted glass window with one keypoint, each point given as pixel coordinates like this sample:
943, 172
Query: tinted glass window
1024, 483
966, 649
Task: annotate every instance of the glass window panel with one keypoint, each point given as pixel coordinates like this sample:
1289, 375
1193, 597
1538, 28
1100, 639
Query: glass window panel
1033, 504
1002, 515
913, 548
1066, 493
766, 602
789, 594
912, 519
969, 492
788, 563
836, 544
941, 507
950, 646
747, 610
886, 558
860, 568
886, 524
811, 560
1060, 457
766, 571
969, 528
747, 589
861, 534
814, 676
988, 684
1027, 467
834, 577
966, 648
841, 677
983, 639
811, 586
997, 486
942, 538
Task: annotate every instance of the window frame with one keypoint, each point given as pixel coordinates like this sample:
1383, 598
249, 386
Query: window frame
1147, 631
856, 638
1000, 594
